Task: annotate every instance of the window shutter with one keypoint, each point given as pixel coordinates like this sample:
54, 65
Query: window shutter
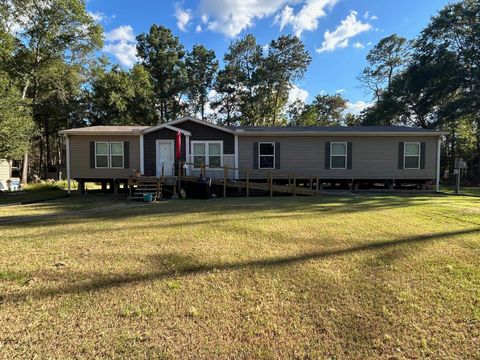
422, 155
126, 154
327, 155
277, 155
401, 146
349, 155
92, 154
255, 155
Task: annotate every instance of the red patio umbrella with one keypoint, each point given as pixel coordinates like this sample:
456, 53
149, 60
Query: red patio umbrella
178, 148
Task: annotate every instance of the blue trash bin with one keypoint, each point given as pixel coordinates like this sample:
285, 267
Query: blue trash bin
148, 197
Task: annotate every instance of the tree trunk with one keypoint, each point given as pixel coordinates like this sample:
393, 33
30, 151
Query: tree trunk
478, 148
453, 152
47, 147
25, 156
25, 168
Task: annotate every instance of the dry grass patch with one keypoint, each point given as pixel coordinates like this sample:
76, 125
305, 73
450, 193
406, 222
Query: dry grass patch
266, 278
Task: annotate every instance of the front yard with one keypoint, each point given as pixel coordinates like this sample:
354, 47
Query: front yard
326, 277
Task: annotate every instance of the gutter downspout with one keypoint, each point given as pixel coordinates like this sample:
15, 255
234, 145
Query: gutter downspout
142, 165
437, 181
68, 163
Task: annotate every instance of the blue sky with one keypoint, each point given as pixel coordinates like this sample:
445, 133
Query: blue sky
337, 33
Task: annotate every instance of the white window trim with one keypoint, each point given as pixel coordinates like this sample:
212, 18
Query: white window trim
418, 156
110, 154
260, 155
345, 156
107, 155
207, 156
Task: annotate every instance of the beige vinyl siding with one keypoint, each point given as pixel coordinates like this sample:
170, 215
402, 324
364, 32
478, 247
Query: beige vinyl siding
373, 157
80, 157
4, 173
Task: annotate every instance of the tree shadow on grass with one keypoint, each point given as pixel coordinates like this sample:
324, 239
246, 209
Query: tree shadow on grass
121, 210
175, 265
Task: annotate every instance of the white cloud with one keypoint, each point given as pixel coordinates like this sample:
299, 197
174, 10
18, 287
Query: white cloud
358, 45
122, 33
339, 38
121, 43
231, 17
307, 18
97, 16
183, 18
339, 91
369, 17
297, 93
198, 28
357, 107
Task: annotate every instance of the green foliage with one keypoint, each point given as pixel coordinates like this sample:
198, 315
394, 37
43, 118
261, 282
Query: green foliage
162, 54
121, 97
253, 88
16, 125
201, 66
53, 44
286, 62
439, 85
325, 110
45, 186
226, 103
384, 61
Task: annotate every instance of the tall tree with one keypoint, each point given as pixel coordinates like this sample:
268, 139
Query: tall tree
226, 100
387, 58
329, 109
120, 97
244, 59
286, 62
16, 124
325, 110
49, 33
456, 30
202, 67
162, 54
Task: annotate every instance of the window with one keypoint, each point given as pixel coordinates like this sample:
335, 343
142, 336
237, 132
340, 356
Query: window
101, 154
338, 155
208, 153
116, 155
266, 155
214, 155
199, 154
411, 155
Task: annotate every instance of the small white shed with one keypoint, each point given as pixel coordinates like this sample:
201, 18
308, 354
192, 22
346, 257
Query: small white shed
5, 174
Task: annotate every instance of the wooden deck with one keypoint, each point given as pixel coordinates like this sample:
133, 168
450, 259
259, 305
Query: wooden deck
140, 185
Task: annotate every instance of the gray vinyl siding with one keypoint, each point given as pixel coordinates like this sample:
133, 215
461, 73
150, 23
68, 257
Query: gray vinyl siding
80, 157
373, 157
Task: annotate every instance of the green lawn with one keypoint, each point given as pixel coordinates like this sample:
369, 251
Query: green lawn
327, 277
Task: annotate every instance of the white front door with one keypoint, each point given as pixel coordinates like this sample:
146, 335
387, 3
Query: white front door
165, 157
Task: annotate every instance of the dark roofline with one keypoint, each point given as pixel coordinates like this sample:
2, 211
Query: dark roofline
267, 130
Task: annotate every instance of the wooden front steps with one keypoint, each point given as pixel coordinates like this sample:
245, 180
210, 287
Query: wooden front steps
140, 185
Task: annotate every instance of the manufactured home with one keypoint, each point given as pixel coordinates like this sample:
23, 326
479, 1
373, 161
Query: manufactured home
358, 155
